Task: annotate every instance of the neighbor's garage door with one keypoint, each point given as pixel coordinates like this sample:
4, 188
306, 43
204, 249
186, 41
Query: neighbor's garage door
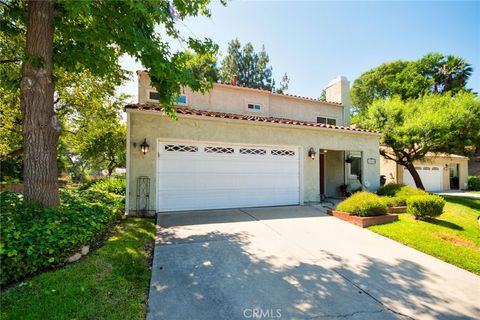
210, 176
432, 178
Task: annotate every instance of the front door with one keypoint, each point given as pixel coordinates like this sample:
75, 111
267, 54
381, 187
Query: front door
322, 175
454, 179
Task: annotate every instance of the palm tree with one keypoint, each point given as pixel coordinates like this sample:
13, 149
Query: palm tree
452, 74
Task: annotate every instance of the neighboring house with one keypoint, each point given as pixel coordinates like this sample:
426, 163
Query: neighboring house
474, 165
242, 147
439, 172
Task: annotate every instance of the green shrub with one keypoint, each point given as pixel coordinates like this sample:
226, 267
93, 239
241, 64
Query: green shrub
425, 207
406, 192
363, 204
34, 238
116, 186
390, 189
474, 183
393, 201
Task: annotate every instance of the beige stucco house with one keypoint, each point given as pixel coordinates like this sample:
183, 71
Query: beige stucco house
244, 147
439, 172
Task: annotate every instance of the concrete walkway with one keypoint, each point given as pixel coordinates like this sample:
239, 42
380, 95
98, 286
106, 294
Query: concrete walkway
459, 194
297, 263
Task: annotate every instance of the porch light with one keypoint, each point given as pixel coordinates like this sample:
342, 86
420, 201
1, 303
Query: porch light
312, 153
144, 146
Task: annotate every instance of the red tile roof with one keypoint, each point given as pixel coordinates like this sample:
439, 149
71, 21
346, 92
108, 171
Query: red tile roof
222, 115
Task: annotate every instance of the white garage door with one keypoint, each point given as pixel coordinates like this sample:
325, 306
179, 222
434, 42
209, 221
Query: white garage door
432, 178
195, 176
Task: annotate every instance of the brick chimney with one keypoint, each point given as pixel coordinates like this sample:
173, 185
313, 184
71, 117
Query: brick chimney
234, 80
338, 90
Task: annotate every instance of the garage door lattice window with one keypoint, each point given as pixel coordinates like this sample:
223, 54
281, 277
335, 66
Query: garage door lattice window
180, 148
218, 150
289, 153
253, 151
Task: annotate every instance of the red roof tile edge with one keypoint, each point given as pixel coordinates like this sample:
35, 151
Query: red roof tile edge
233, 116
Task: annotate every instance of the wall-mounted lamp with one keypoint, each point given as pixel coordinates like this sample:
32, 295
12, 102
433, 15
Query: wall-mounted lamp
446, 167
312, 153
144, 146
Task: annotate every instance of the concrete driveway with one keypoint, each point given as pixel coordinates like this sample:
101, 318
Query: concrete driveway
297, 263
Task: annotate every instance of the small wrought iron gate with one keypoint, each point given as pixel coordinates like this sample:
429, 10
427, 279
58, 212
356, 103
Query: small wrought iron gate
143, 194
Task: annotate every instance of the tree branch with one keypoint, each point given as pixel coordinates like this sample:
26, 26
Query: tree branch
9, 61
14, 153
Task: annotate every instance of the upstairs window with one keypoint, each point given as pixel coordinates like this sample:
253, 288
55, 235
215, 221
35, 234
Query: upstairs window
153, 95
254, 106
325, 120
182, 99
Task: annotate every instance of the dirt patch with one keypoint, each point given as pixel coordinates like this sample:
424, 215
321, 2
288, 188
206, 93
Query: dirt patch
457, 241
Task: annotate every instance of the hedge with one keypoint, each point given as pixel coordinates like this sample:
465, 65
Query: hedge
474, 183
396, 194
425, 207
390, 189
34, 238
363, 204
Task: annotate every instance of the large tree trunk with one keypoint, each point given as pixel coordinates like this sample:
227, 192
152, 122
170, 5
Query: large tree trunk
416, 177
40, 125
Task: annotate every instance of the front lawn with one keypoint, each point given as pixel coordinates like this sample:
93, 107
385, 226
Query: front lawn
110, 283
453, 237
474, 192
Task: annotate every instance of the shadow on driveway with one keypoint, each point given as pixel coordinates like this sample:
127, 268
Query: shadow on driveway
236, 267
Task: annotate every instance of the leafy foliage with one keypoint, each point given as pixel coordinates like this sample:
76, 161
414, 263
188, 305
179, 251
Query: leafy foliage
251, 68
474, 183
406, 192
425, 207
433, 73
363, 204
283, 84
110, 284
390, 189
34, 238
115, 186
396, 194
433, 123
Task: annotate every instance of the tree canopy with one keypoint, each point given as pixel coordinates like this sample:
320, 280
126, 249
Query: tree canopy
251, 68
50, 38
433, 73
432, 123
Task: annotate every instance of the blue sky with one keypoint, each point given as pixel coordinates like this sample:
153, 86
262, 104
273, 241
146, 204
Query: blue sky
316, 41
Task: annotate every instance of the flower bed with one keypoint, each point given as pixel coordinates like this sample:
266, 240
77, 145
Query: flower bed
363, 221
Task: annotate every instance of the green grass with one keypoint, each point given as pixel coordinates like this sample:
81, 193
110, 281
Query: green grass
474, 192
453, 237
110, 283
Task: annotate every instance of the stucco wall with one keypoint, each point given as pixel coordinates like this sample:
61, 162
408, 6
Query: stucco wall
388, 166
154, 126
225, 98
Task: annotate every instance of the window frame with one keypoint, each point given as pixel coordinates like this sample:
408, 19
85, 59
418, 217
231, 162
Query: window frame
148, 96
181, 103
326, 120
254, 109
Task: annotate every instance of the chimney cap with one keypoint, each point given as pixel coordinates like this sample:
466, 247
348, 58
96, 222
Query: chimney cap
337, 79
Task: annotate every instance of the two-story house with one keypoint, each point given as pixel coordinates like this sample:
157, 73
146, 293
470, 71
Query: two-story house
242, 147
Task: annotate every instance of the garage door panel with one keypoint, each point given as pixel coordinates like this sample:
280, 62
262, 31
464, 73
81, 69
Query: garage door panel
202, 180
432, 178
225, 181
226, 199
